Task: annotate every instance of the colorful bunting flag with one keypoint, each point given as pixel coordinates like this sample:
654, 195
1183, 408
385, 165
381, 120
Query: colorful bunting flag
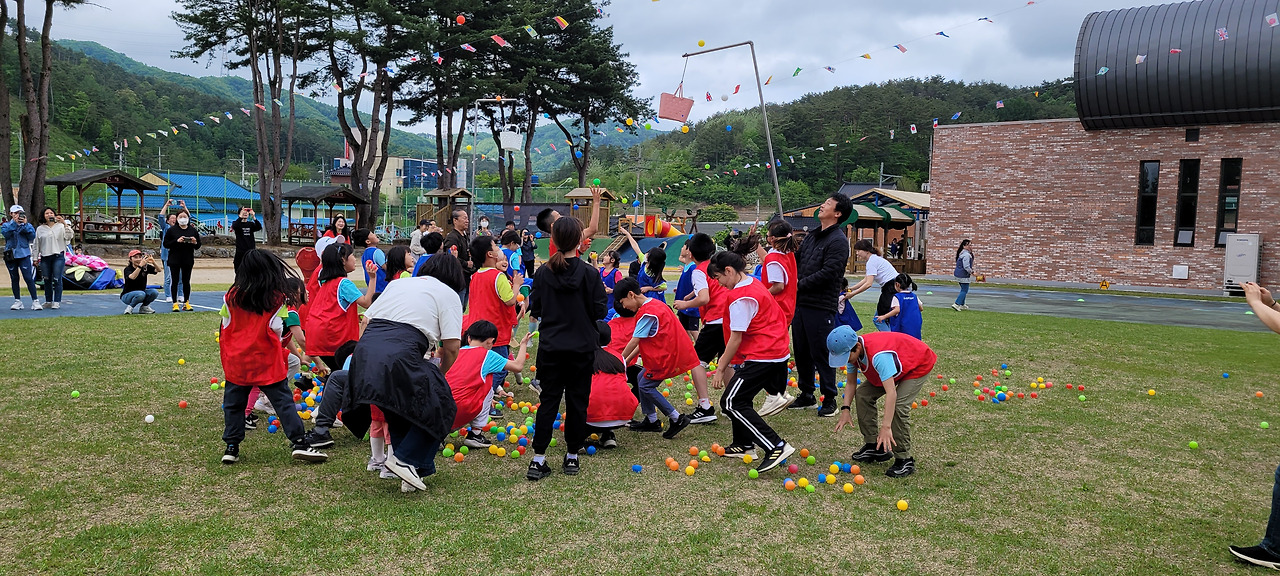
913, 128
708, 96
866, 56
999, 104
935, 122
260, 107
198, 122
561, 22
538, 150
553, 145
860, 139
277, 101
228, 115
468, 48
532, 33
185, 127
1272, 19
117, 144
138, 138
768, 80
1140, 59
891, 134
60, 159
1103, 70
1175, 50
499, 40
736, 88
796, 73
126, 142
1222, 34
829, 69
793, 159
436, 56
987, 19
956, 116
942, 34
900, 48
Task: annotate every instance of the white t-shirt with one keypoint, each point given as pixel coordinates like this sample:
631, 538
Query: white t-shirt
700, 281
424, 303
775, 272
881, 269
742, 310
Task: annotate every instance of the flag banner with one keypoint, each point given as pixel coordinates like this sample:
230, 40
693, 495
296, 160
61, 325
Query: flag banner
1222, 34
499, 40
956, 116
532, 33
900, 48
999, 103
1140, 59
935, 122
866, 56
561, 22
913, 128
943, 34
468, 48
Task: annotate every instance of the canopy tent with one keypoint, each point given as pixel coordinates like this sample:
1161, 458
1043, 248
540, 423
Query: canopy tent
329, 195
116, 181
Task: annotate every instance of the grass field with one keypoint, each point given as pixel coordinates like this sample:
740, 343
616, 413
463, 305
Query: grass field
1053, 485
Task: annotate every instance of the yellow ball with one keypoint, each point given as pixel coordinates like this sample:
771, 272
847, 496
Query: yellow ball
1033, 386
746, 458
493, 449
1039, 380
450, 446
848, 488
803, 482
595, 436
684, 129
1151, 392
513, 439
502, 452
688, 401
706, 458
217, 340
834, 469
689, 470
310, 402
902, 504
468, 147
702, 43
181, 361
831, 479
306, 415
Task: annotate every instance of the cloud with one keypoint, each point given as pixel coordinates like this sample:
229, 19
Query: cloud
1025, 45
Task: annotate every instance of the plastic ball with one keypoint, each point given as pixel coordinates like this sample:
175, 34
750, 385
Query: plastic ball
213, 380
702, 454
689, 470
1257, 394
702, 43
789, 485
753, 474
1082, 398
792, 468
1004, 366
591, 450
684, 129
501, 437
810, 489
848, 488
804, 452
501, 452
728, 128
636, 468
1035, 395
464, 450
468, 147
803, 482
945, 388
1264, 425
1008, 373
182, 361
458, 457
693, 450
902, 504
1226, 375
834, 468
461, 19
811, 460
595, 182
859, 480
747, 458
830, 480
75, 393
577, 153
515, 453
523, 441
630, 121
182, 403
447, 453
1001, 396
952, 381
272, 429
635, 203
149, 419
1193, 444
688, 401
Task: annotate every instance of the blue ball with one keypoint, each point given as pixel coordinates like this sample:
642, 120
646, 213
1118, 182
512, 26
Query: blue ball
995, 400
728, 128
537, 234
524, 442
1002, 397
785, 480
272, 428
1225, 375
636, 468
822, 478
501, 437
577, 153
846, 468
591, 450
1004, 366
839, 384
635, 203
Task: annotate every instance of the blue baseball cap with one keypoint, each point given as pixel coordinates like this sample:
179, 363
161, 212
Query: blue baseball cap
839, 342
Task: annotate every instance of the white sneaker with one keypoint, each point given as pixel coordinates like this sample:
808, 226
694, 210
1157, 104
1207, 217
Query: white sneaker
374, 465
262, 405
964, 307
35, 305
147, 310
55, 305
17, 305
776, 403
406, 487
957, 307
407, 474
168, 299
128, 309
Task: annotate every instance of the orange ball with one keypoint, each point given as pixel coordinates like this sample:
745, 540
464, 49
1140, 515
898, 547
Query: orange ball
915, 405
458, 457
790, 486
859, 480
804, 452
694, 463
1258, 394
855, 469
519, 297
673, 465
693, 450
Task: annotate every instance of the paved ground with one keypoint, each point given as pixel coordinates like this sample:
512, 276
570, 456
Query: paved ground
1123, 308
104, 303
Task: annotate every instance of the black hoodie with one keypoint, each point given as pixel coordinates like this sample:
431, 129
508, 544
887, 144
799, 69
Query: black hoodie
567, 305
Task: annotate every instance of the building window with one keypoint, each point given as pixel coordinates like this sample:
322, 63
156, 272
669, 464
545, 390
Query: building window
1148, 186
1184, 229
1193, 134
1228, 199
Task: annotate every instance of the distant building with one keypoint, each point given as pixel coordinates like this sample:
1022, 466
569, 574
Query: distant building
401, 174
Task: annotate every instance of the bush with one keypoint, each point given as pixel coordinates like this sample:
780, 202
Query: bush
718, 213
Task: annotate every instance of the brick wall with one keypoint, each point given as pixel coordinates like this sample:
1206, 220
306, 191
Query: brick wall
1048, 200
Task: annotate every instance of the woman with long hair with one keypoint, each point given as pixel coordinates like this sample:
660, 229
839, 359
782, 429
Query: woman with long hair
567, 299
963, 272
52, 238
399, 262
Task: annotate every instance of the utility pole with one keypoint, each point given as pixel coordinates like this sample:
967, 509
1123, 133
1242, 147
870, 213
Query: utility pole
159, 159
242, 177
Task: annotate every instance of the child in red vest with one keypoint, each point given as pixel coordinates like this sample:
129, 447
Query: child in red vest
620, 330
659, 340
756, 341
471, 378
252, 352
779, 275
612, 403
333, 315
708, 298
294, 341
491, 297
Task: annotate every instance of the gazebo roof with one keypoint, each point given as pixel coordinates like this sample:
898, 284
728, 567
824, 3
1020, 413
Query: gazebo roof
915, 200
113, 178
448, 193
585, 194
326, 194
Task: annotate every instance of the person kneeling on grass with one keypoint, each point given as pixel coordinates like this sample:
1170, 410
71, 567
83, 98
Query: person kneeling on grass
896, 366
1267, 552
660, 341
253, 353
612, 402
471, 377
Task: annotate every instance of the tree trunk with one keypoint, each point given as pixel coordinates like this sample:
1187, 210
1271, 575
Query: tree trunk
35, 121
6, 142
440, 150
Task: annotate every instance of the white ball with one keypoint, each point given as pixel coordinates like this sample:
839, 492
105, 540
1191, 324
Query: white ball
150, 418
724, 97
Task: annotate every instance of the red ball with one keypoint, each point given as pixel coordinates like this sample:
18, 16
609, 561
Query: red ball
1068, 386
461, 19
932, 394
182, 404
981, 399
986, 390
978, 378
1034, 395
793, 469
517, 208
924, 402
1048, 385
1019, 395
939, 376
213, 380
1080, 388
993, 372
945, 388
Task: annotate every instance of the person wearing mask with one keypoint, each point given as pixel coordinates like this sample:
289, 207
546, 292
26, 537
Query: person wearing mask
18, 236
244, 229
528, 249
820, 264
166, 221
182, 240
52, 238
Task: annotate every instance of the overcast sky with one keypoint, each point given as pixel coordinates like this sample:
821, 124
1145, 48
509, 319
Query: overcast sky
1025, 44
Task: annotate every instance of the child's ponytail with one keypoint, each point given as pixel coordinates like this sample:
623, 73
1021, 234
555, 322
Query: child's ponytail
904, 282
783, 238
566, 233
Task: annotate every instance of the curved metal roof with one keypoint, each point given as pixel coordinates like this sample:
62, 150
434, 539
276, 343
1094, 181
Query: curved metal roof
1169, 65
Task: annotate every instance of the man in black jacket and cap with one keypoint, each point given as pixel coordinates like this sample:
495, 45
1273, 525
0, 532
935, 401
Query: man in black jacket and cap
820, 264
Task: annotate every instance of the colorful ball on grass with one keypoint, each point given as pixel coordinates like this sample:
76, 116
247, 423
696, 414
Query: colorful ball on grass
1035, 395
1004, 366
811, 460
789, 485
272, 429
213, 386
464, 450
1001, 397
1082, 398
1226, 375
859, 480
149, 419
902, 504
182, 361
792, 468
1257, 394
501, 452
803, 482
1008, 373
1264, 425
848, 488
753, 474
591, 450
850, 468
637, 468
458, 457
1193, 445
689, 470
447, 453
702, 454
945, 388
747, 458
834, 468
952, 381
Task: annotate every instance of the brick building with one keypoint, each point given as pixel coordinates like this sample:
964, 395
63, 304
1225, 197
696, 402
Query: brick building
1172, 151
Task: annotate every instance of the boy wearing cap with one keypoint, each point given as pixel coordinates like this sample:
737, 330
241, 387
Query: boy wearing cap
896, 366
18, 236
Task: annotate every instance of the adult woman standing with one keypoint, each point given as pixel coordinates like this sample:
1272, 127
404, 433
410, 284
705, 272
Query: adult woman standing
879, 271
167, 221
182, 240
963, 273
18, 236
51, 246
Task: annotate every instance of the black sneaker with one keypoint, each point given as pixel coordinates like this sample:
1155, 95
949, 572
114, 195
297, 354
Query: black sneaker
1255, 555
774, 457
476, 440
803, 401
304, 384
647, 426
536, 386
703, 416
570, 466
608, 440
676, 426
827, 410
738, 451
251, 422
308, 454
318, 439
869, 453
901, 468
537, 471
232, 454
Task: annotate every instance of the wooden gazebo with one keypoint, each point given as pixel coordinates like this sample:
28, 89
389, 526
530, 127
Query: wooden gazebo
440, 205
329, 195
115, 180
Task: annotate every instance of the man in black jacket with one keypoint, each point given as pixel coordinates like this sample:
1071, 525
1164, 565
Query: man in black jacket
458, 243
820, 264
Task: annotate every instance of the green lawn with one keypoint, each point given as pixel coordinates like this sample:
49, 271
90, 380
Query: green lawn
1047, 486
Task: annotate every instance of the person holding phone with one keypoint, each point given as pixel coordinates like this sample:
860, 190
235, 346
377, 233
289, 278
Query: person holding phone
182, 240
18, 236
135, 293
166, 221
52, 238
244, 229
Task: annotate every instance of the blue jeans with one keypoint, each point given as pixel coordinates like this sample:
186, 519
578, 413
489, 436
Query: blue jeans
22, 266
651, 399
1271, 540
143, 297
880, 325
964, 291
413, 445
52, 268
164, 263
500, 377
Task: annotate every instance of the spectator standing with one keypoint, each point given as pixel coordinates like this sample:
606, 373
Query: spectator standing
52, 238
879, 271
244, 229
820, 264
166, 221
18, 236
963, 273
182, 240
415, 239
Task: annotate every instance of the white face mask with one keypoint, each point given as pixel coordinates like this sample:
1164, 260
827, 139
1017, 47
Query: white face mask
183, 221
484, 223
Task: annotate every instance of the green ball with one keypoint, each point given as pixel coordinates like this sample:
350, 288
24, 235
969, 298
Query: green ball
1264, 425
1008, 372
75, 393
464, 450
688, 386
953, 380
688, 395
524, 409
702, 454
453, 434
1082, 397
553, 441
752, 474
213, 386
527, 380
596, 182
514, 454
809, 488
811, 460
447, 453
706, 167
977, 392
1193, 444
535, 333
